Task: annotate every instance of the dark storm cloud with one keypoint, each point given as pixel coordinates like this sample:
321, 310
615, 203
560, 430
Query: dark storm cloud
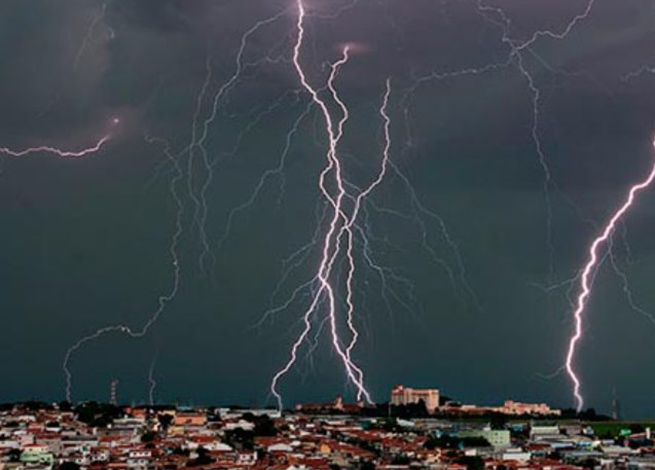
85, 243
168, 16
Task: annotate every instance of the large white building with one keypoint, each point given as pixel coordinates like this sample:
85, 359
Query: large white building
407, 396
516, 408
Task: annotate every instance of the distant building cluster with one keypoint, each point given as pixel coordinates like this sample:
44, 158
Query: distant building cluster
518, 409
403, 396
337, 406
510, 408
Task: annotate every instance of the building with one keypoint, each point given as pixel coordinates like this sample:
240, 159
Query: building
190, 419
337, 406
401, 395
497, 438
515, 408
538, 432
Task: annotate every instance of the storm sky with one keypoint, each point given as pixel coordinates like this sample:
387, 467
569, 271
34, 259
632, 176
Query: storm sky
472, 301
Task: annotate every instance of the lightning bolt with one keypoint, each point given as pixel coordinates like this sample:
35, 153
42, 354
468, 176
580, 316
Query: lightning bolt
63, 153
515, 57
586, 283
163, 300
199, 137
152, 382
89, 35
197, 192
342, 223
276, 172
338, 12
86, 40
638, 73
346, 203
516, 50
57, 151
289, 264
626, 285
347, 229
585, 277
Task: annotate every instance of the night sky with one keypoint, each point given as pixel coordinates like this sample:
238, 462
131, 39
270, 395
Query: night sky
473, 301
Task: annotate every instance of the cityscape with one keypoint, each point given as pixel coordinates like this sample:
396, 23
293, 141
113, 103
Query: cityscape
327, 234
416, 429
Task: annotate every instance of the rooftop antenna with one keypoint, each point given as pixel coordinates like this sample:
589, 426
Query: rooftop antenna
616, 406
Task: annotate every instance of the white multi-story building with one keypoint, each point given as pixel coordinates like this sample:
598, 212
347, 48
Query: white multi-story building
401, 395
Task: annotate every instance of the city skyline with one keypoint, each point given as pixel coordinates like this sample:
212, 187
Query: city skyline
279, 202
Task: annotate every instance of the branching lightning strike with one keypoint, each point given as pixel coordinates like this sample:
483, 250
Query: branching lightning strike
340, 229
199, 139
198, 197
586, 283
163, 300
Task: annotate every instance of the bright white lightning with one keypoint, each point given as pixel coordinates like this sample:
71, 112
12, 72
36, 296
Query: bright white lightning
586, 282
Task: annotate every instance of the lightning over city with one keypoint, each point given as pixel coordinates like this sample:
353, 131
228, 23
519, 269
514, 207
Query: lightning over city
586, 281
235, 214
334, 129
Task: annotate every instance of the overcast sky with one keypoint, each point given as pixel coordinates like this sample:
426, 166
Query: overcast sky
477, 282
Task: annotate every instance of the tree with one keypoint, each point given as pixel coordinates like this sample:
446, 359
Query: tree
401, 460
34, 405
390, 425
97, 414
65, 406
165, 420
467, 442
411, 410
471, 462
202, 459
442, 442
240, 439
148, 436
498, 421
444, 400
589, 463
69, 466
586, 415
449, 442
14, 455
264, 426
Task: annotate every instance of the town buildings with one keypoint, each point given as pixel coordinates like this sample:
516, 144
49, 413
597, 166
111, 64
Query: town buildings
98, 437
